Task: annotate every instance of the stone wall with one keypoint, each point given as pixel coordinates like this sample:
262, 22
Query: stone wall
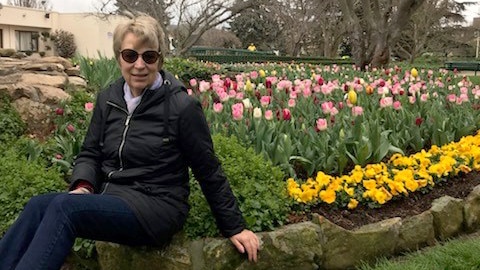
37, 85
316, 244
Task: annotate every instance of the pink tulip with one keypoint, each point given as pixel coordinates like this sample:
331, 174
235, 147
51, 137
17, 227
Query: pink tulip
322, 124
268, 115
89, 106
452, 98
291, 103
386, 102
357, 110
193, 82
265, 100
397, 105
237, 111
204, 86
412, 99
70, 128
217, 107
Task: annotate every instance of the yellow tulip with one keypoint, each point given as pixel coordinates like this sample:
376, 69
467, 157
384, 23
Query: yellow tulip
248, 86
261, 72
352, 97
414, 72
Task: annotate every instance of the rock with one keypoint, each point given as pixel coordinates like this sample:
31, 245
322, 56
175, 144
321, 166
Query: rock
52, 95
42, 79
43, 67
472, 210
447, 217
416, 232
344, 248
77, 81
22, 90
36, 116
74, 71
6, 52
296, 246
57, 59
175, 256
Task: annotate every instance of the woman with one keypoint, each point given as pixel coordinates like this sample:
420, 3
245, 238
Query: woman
130, 180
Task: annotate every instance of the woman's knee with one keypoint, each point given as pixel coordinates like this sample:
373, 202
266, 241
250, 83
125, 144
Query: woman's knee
41, 202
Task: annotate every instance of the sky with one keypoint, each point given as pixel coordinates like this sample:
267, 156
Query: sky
73, 6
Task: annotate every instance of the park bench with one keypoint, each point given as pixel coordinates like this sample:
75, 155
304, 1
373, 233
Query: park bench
463, 66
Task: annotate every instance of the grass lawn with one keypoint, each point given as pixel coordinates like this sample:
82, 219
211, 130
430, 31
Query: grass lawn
458, 254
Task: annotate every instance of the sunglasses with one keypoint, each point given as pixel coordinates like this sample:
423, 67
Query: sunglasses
130, 56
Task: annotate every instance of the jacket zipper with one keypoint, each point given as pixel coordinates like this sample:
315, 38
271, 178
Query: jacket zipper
124, 137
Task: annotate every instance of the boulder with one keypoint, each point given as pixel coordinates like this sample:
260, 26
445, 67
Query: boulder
416, 232
447, 217
472, 210
35, 114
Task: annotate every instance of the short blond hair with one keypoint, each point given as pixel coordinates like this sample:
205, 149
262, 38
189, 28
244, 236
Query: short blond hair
147, 29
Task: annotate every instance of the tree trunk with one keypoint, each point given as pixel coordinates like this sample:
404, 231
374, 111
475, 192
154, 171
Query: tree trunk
381, 55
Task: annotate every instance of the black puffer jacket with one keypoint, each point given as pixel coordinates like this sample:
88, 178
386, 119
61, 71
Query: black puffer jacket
134, 156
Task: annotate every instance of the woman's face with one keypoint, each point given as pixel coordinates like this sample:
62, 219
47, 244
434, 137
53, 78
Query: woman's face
141, 72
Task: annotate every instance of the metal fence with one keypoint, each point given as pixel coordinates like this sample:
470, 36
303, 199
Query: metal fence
221, 55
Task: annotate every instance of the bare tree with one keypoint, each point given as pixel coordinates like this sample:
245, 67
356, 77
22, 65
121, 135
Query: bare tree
298, 21
430, 28
219, 38
39, 4
193, 17
376, 26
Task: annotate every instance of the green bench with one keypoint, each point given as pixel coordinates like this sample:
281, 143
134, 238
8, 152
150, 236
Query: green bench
461, 65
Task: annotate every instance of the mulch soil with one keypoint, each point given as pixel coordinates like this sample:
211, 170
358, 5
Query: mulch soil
411, 205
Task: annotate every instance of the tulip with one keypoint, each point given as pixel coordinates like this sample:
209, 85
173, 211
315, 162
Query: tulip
59, 111
247, 103
218, 107
257, 113
237, 111
268, 115
352, 97
193, 82
414, 72
418, 121
322, 124
265, 100
261, 72
89, 106
291, 103
248, 86
357, 110
71, 128
369, 90
286, 114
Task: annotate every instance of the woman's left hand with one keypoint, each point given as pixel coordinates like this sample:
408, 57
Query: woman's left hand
81, 190
246, 241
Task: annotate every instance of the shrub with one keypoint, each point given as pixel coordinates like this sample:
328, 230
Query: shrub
11, 125
259, 187
64, 43
21, 180
187, 69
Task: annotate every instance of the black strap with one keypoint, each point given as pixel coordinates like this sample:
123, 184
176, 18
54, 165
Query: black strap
166, 113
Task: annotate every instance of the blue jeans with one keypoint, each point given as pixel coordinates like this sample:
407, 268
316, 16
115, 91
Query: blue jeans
45, 231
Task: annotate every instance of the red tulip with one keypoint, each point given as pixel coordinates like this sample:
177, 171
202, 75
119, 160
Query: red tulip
59, 111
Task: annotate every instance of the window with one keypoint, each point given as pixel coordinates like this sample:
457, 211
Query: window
26, 41
1, 38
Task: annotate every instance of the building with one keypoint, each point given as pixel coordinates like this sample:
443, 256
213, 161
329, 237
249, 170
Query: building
28, 30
